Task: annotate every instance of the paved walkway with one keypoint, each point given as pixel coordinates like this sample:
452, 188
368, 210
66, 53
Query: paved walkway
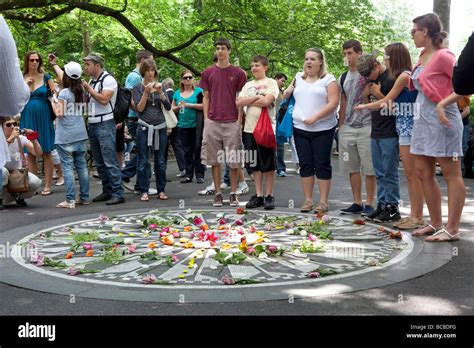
447, 290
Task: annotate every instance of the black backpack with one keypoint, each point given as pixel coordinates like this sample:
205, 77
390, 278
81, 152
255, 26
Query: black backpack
122, 103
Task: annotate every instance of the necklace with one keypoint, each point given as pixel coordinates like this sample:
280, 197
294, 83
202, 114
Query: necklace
153, 98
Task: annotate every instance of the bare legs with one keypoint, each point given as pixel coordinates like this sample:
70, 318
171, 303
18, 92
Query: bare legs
48, 168
370, 186
415, 191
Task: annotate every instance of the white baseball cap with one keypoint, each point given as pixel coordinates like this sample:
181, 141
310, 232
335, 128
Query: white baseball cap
73, 70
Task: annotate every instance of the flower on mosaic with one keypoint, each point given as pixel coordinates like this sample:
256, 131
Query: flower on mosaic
103, 218
226, 246
187, 228
189, 245
372, 261
152, 245
38, 259
87, 246
227, 280
163, 234
42, 235
128, 241
312, 237
239, 222
319, 215
381, 229
243, 244
168, 240
289, 224
313, 274
241, 210
149, 279
251, 250
197, 220
152, 226
303, 233
252, 229
174, 258
204, 227
32, 244
222, 221
263, 255
73, 271
359, 222
326, 219
165, 229
272, 248
90, 253
176, 234
120, 234
395, 235
69, 255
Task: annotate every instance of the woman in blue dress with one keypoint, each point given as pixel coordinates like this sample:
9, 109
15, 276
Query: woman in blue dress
37, 115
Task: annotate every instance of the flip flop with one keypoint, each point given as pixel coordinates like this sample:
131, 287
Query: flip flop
144, 197
452, 238
46, 192
434, 230
162, 196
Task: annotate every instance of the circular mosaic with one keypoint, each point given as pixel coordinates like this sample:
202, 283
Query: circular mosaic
210, 249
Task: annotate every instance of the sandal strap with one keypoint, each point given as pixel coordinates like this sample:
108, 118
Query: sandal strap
443, 230
434, 228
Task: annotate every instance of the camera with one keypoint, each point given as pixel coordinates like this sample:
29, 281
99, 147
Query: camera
23, 131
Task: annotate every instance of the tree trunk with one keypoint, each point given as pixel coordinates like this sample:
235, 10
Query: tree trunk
443, 9
86, 40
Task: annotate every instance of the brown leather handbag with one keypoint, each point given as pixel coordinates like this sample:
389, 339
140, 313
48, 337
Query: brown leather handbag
18, 180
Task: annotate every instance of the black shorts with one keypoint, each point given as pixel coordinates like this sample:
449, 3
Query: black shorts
257, 158
120, 139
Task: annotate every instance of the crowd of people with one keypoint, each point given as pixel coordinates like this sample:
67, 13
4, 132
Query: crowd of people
378, 111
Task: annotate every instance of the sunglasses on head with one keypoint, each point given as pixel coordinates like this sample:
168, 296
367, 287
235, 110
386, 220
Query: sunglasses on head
11, 124
34, 60
187, 77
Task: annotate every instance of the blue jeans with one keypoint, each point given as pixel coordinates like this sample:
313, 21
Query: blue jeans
385, 159
143, 164
72, 156
280, 155
102, 141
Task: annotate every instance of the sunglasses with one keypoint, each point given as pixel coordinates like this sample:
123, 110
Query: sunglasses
34, 60
187, 77
11, 124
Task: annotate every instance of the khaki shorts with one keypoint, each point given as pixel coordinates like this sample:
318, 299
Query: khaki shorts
222, 143
355, 155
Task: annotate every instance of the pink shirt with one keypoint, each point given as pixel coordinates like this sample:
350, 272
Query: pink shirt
436, 78
223, 86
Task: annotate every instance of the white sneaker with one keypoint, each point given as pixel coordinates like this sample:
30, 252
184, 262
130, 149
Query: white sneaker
152, 192
209, 190
224, 186
66, 204
242, 188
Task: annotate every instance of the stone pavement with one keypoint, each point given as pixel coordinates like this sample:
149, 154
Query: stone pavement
446, 290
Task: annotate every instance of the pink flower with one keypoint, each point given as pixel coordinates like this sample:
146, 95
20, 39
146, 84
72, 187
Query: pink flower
239, 222
251, 251
152, 226
197, 221
312, 237
313, 275
165, 229
103, 218
176, 234
132, 248
174, 258
73, 271
272, 248
87, 246
163, 234
32, 244
38, 259
326, 219
226, 280
221, 221
252, 229
148, 279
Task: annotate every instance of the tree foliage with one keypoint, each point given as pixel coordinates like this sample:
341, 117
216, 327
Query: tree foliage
181, 32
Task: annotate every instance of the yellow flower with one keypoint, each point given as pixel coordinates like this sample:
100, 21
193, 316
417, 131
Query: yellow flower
185, 271
183, 240
120, 234
131, 234
226, 246
181, 276
189, 245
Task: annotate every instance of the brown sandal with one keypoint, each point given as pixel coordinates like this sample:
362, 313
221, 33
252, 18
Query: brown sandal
162, 196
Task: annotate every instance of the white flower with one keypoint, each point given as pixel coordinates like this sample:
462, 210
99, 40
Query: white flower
128, 241
263, 255
290, 231
372, 261
303, 233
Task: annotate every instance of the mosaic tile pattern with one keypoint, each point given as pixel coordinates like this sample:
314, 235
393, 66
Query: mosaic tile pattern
190, 257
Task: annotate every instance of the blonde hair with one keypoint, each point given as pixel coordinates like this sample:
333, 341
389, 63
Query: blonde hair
323, 68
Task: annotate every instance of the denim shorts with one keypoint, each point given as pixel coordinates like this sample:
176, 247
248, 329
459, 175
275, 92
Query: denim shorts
404, 141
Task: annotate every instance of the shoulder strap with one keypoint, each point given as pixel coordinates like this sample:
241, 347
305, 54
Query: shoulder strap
23, 159
343, 79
